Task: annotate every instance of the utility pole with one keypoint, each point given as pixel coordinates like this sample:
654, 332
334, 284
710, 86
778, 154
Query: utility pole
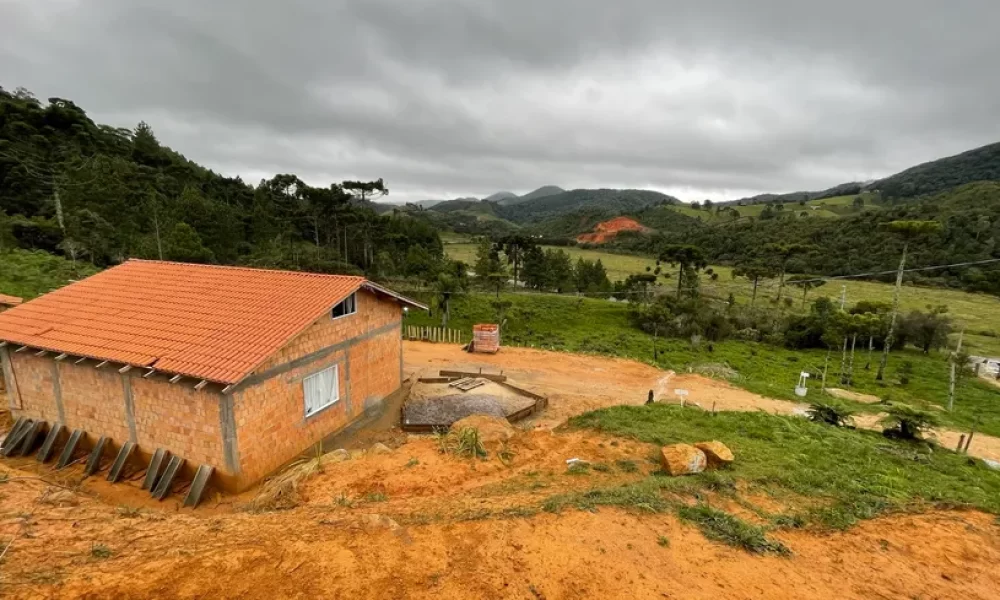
954, 359
890, 337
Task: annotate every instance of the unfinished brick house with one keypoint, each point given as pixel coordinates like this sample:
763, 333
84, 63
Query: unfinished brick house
241, 369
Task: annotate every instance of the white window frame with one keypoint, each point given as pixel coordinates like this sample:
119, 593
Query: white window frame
313, 404
353, 300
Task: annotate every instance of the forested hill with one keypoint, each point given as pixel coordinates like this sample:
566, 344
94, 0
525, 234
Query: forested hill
102, 194
610, 202
979, 164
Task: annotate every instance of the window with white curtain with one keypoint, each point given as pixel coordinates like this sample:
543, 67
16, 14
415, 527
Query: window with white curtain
321, 390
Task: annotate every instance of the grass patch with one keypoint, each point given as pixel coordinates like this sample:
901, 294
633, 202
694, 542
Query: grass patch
854, 474
372, 497
627, 466
663, 541
723, 527
100, 551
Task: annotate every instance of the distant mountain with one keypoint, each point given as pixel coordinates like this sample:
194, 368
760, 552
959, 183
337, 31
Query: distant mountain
604, 202
936, 176
542, 192
979, 164
427, 203
500, 196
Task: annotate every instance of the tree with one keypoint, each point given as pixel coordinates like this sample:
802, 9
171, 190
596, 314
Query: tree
754, 269
689, 259
807, 283
782, 253
184, 245
928, 330
858, 203
908, 231
451, 282
514, 246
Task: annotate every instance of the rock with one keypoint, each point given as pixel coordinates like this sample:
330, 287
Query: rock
380, 448
339, 455
59, 498
717, 453
491, 429
682, 459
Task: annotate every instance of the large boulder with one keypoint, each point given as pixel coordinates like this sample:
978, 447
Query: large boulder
682, 459
491, 429
717, 453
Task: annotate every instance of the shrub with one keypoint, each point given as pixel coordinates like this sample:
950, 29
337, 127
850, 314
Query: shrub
908, 423
463, 443
830, 413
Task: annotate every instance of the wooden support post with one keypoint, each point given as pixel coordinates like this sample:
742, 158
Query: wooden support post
201, 384
21, 349
80, 360
41, 353
961, 443
148, 373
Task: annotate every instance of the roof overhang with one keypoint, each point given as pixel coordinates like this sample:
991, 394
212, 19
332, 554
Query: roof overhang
378, 289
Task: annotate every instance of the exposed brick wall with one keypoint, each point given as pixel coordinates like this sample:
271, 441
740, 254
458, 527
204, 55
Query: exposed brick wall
172, 416
270, 416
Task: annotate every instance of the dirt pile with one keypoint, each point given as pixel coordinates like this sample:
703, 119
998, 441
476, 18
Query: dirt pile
607, 230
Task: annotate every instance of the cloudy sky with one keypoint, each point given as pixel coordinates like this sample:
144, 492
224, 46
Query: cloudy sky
448, 98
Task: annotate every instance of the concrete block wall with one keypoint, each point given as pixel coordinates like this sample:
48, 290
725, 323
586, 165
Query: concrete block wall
269, 414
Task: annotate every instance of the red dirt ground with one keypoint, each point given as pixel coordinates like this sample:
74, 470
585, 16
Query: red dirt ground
415, 523
607, 230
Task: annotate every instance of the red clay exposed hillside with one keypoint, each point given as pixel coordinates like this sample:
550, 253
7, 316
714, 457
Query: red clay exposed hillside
607, 230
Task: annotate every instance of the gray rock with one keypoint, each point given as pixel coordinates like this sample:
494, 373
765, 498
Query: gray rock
339, 455
380, 448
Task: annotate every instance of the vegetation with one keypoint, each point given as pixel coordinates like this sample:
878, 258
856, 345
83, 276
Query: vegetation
770, 368
854, 474
830, 413
96, 194
907, 423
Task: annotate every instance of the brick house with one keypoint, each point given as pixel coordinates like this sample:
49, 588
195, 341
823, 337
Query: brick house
241, 369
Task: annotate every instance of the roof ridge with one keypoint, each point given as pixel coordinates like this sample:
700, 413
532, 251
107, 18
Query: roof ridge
244, 268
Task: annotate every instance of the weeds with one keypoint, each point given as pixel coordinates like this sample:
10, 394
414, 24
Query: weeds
412, 463
465, 443
663, 541
578, 468
506, 454
100, 551
344, 500
601, 468
627, 466
373, 497
723, 527
129, 512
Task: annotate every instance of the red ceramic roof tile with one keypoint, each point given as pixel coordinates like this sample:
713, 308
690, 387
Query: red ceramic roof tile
206, 322
6, 300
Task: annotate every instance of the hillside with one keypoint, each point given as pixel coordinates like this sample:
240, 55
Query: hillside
979, 164
500, 196
98, 194
610, 229
607, 202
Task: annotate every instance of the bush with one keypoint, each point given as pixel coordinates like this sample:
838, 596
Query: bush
905, 422
831, 413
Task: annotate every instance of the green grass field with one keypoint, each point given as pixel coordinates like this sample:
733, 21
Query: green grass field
976, 313
28, 274
821, 476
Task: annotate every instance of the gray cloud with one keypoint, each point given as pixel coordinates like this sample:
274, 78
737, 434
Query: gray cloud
448, 98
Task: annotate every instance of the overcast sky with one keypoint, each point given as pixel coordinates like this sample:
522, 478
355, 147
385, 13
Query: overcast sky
448, 98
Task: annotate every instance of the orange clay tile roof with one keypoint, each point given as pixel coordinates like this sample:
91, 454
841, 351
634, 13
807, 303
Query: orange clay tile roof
207, 322
6, 300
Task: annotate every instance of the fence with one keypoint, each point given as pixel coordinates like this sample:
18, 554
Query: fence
435, 334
